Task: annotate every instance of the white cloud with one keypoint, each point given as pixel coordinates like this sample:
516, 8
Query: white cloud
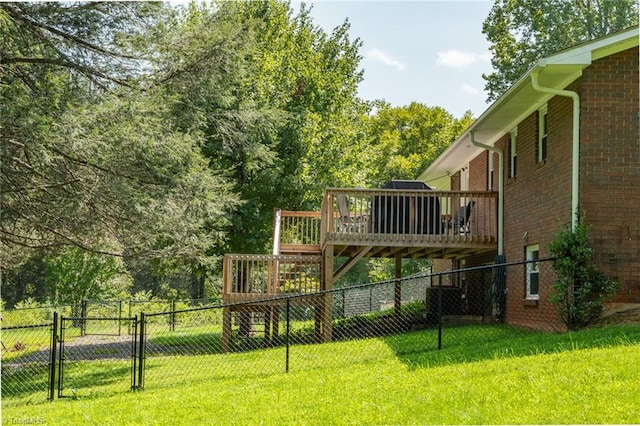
458, 59
470, 89
385, 58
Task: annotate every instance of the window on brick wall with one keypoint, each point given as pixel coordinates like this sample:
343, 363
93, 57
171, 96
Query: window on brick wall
513, 154
532, 283
464, 178
490, 172
542, 135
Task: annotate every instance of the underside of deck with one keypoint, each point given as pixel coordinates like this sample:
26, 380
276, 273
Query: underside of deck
437, 247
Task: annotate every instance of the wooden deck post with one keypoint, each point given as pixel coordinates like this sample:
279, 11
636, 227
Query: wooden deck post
226, 328
324, 311
397, 290
275, 322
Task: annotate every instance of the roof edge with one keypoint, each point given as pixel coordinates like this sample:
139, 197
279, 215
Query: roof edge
574, 59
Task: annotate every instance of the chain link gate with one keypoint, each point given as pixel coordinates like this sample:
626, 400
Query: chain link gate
97, 363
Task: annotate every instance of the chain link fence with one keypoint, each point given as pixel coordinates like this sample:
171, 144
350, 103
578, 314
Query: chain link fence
99, 308
97, 363
294, 332
27, 361
32, 315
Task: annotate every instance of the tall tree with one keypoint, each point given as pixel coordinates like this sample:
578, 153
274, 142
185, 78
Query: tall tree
405, 140
522, 31
313, 77
88, 156
280, 122
53, 57
77, 275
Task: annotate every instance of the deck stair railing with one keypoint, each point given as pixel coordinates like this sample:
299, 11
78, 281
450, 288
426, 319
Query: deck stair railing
257, 277
296, 232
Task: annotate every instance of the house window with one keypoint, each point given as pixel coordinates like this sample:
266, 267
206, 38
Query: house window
533, 286
513, 154
542, 134
464, 178
490, 173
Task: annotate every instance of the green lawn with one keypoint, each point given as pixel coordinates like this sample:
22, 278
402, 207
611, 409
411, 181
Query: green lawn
501, 376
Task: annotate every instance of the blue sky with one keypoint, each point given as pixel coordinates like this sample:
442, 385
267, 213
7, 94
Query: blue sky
428, 51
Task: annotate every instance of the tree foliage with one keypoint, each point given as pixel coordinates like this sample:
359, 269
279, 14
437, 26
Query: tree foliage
96, 42
165, 138
275, 99
81, 164
77, 275
91, 149
522, 31
405, 140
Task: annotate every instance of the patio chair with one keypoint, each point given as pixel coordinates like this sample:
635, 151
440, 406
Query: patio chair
350, 222
460, 222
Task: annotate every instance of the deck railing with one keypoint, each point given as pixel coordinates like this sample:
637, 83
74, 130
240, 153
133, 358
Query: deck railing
296, 232
254, 276
392, 215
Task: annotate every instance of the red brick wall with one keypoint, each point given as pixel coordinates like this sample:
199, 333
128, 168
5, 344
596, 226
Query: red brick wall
538, 200
478, 172
610, 168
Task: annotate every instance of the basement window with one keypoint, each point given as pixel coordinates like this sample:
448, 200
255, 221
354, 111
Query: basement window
533, 272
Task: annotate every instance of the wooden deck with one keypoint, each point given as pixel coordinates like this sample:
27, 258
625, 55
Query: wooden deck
355, 224
409, 223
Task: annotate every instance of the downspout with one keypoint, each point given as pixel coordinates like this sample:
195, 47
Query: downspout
575, 153
500, 189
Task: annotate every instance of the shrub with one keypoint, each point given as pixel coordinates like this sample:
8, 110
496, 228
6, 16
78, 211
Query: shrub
579, 289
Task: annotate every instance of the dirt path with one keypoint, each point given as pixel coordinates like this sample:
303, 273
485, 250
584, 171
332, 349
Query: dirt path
84, 348
90, 348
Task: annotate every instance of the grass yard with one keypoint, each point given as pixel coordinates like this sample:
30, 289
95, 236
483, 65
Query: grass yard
483, 375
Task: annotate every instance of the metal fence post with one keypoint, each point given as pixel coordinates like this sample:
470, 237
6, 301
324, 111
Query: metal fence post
129, 325
286, 337
133, 325
119, 317
52, 354
83, 315
61, 357
439, 311
141, 353
172, 326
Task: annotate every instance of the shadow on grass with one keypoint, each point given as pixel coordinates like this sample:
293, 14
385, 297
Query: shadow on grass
96, 374
464, 344
28, 380
206, 343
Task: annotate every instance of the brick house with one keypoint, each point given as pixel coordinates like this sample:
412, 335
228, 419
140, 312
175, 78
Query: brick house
568, 134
